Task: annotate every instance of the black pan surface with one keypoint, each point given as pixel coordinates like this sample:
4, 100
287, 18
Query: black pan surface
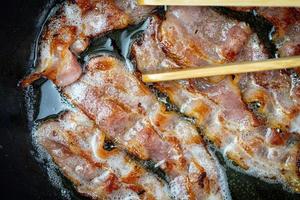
22, 177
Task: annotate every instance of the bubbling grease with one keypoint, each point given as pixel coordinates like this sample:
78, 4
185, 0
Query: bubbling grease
44, 159
123, 39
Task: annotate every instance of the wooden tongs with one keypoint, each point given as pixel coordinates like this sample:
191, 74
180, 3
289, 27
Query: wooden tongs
240, 3
215, 70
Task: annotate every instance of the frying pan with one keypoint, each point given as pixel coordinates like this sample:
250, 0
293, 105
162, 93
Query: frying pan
21, 175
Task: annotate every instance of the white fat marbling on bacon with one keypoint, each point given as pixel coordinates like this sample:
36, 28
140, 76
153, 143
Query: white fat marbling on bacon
274, 92
206, 162
45, 53
73, 15
295, 125
118, 162
148, 181
124, 194
96, 20
216, 103
253, 50
135, 12
163, 54
128, 113
74, 142
236, 136
195, 36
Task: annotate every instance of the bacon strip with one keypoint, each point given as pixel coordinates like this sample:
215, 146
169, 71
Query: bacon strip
208, 38
286, 22
216, 103
78, 148
128, 113
68, 32
276, 96
277, 93
287, 38
205, 37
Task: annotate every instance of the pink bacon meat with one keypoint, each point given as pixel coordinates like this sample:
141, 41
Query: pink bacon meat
128, 113
77, 147
277, 93
216, 103
68, 32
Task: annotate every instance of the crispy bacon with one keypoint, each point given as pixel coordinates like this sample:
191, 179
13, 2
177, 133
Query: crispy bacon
216, 103
77, 147
128, 113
